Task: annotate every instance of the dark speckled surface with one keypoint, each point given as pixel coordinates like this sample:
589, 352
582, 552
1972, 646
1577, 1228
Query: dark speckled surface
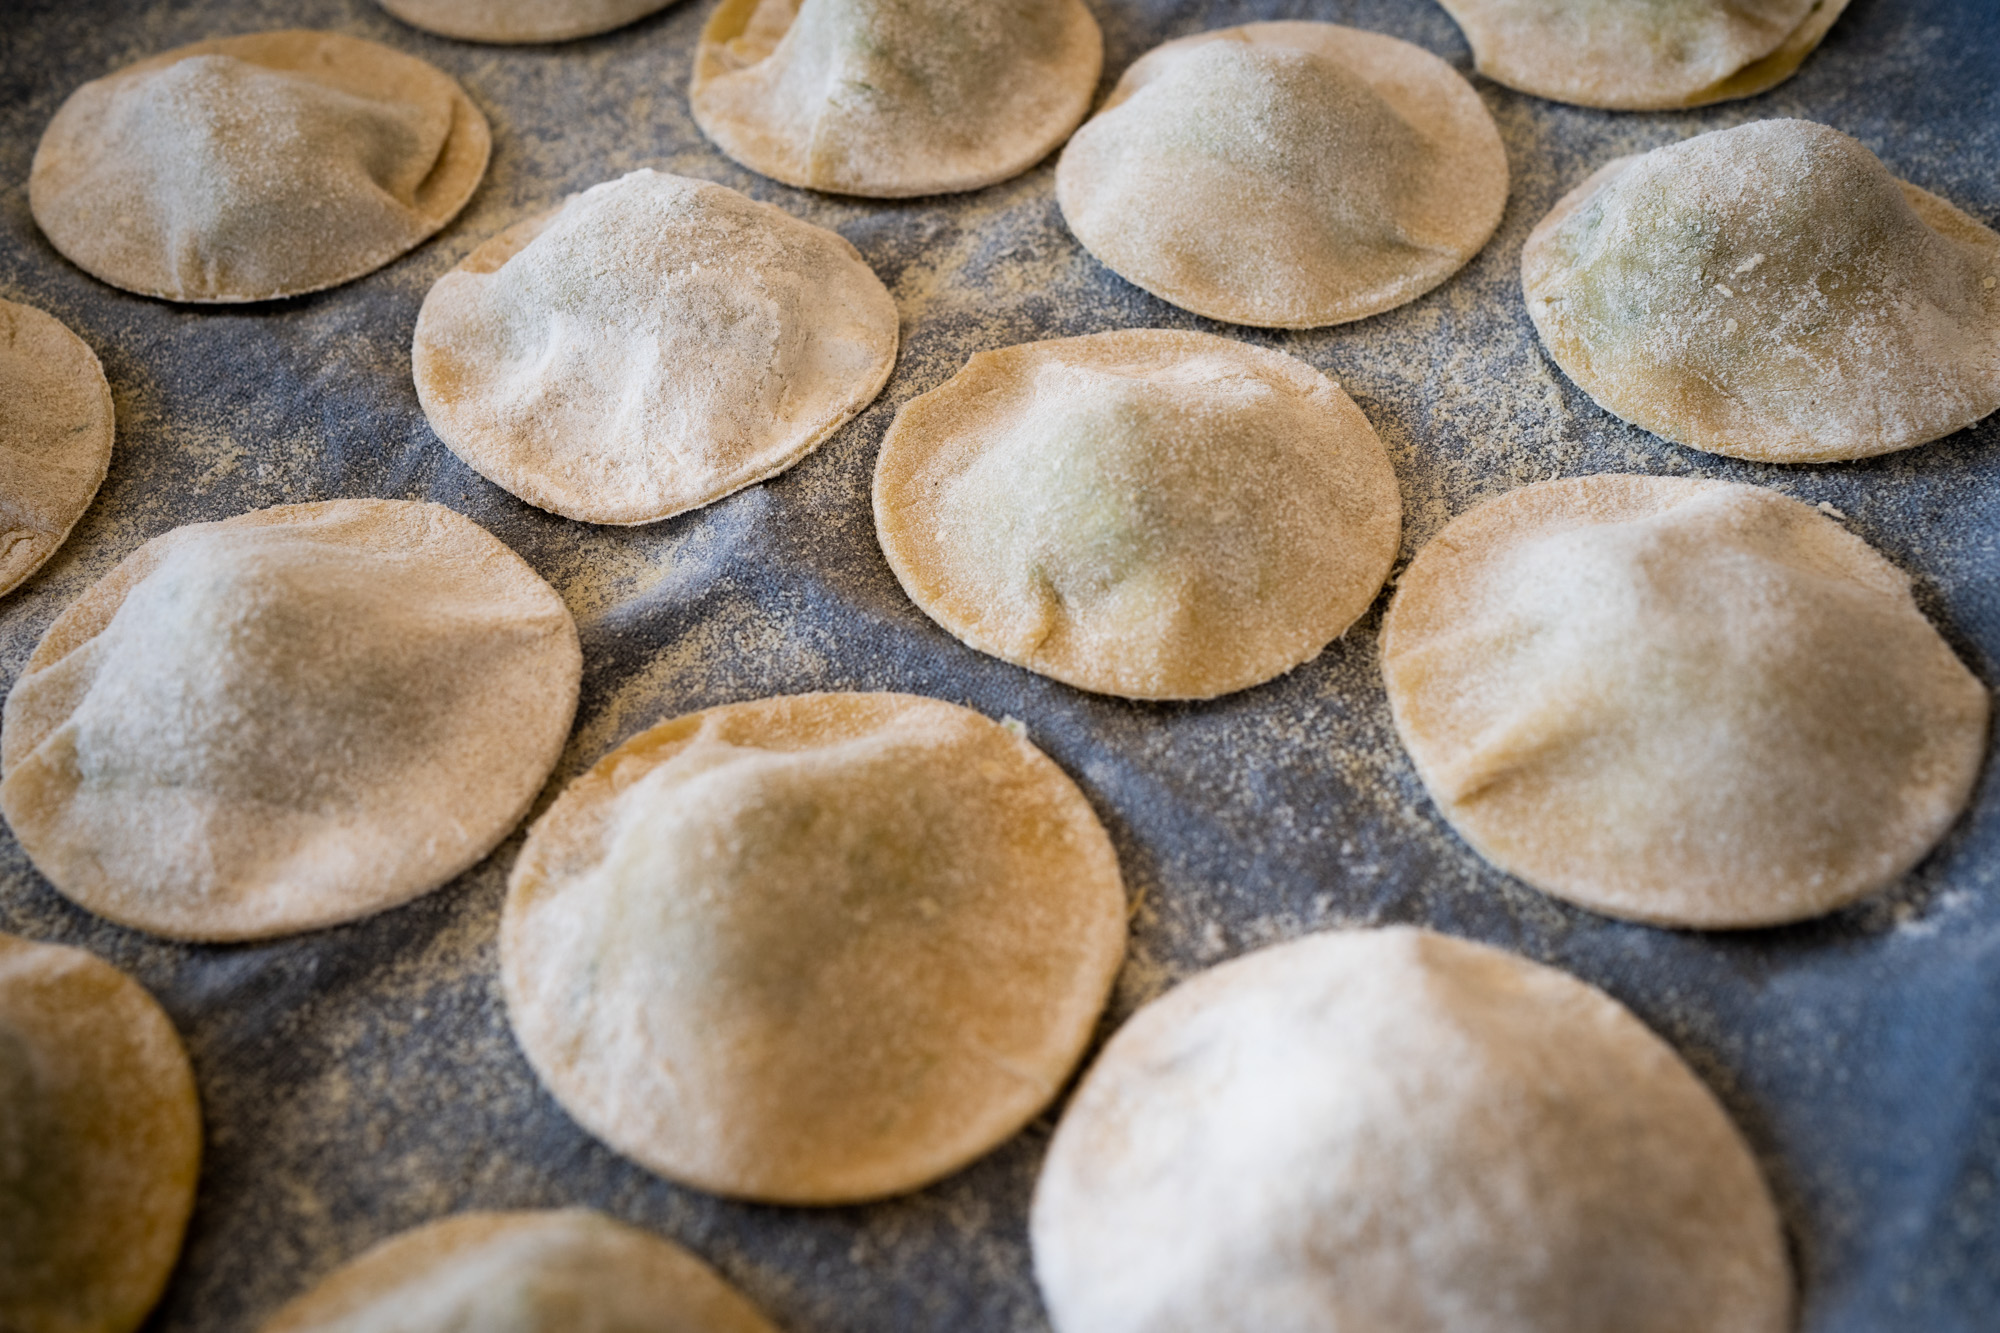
361, 1080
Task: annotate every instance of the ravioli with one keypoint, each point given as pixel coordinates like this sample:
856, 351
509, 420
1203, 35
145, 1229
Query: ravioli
56, 426
1145, 513
1392, 1129
891, 98
1642, 55
249, 168
560, 1271
1691, 703
1770, 292
100, 1143
650, 346
813, 949
518, 21
294, 718
1286, 175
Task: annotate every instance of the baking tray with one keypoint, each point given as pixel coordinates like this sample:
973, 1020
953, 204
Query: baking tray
361, 1080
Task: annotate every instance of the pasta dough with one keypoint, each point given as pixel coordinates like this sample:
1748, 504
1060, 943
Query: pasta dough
1153, 514
56, 424
813, 949
293, 718
891, 98
100, 1143
649, 347
1686, 702
1391, 1129
1286, 175
568, 1271
1770, 292
1651, 56
248, 168
514, 21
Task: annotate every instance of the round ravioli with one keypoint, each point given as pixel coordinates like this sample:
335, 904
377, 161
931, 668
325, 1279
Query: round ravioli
1770, 292
814, 949
1391, 1129
516, 21
56, 425
1286, 175
890, 98
100, 1143
649, 347
1655, 55
567, 1271
248, 168
1144, 513
1686, 702
293, 718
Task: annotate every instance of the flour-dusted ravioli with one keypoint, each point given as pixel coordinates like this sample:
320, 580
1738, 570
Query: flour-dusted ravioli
1152, 514
890, 98
100, 1143
1286, 175
1370, 1130
566, 1271
813, 949
56, 424
1686, 702
650, 346
517, 21
293, 718
1642, 55
1770, 292
248, 168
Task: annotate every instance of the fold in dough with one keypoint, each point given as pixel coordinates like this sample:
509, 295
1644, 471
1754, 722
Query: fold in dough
649, 347
1642, 55
56, 424
249, 168
567, 1271
890, 98
1686, 702
1374, 1130
517, 21
815, 949
1152, 514
100, 1143
293, 718
1286, 175
1770, 292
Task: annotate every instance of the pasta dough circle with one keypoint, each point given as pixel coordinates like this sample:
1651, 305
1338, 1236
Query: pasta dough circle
892, 98
294, 718
1286, 175
1655, 56
1685, 702
814, 949
1392, 1129
56, 424
522, 1272
1770, 292
649, 347
100, 1143
1144, 513
511, 22
249, 168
